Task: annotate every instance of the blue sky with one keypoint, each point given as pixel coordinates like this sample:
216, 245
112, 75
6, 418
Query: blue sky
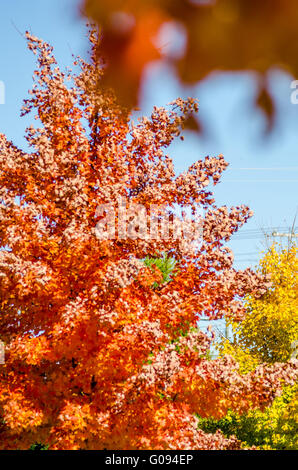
262, 173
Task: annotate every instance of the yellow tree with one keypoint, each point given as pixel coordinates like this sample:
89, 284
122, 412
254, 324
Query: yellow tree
270, 328
267, 334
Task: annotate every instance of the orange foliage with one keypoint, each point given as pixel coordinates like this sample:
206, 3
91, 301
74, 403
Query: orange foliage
221, 35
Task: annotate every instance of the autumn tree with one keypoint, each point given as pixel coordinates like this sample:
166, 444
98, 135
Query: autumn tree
95, 357
270, 327
221, 35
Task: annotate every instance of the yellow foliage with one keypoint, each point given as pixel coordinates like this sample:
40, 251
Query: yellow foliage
278, 424
246, 361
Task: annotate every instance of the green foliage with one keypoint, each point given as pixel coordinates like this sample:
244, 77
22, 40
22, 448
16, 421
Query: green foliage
39, 446
166, 264
275, 428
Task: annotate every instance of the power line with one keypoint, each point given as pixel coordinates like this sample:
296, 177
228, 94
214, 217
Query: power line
255, 233
260, 181
246, 261
273, 227
246, 254
275, 168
